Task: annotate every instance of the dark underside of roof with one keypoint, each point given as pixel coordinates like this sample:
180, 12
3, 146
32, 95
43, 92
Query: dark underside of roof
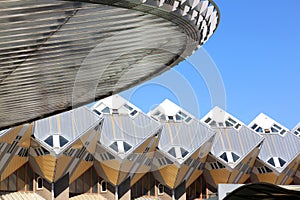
264, 191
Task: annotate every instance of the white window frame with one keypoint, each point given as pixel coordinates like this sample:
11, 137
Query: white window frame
101, 188
37, 183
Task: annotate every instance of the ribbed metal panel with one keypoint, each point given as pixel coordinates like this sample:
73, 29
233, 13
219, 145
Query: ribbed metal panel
275, 145
123, 127
57, 55
71, 124
189, 136
241, 142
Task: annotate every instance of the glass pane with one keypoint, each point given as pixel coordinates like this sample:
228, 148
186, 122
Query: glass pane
271, 161
224, 157
281, 161
127, 146
183, 152
235, 157
172, 152
178, 117
106, 110
114, 146
62, 141
49, 140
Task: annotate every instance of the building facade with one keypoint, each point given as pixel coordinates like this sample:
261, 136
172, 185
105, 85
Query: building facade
114, 151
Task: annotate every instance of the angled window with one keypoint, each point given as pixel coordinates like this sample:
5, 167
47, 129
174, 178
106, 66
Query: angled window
97, 112
234, 157
229, 157
178, 117
187, 120
106, 110
207, 120
133, 113
128, 107
56, 141
62, 141
114, 146
224, 156
120, 146
228, 124
254, 126
183, 152
49, 140
281, 162
271, 162
127, 146
172, 152
213, 123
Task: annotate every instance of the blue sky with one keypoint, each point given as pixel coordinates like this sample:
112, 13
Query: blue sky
256, 50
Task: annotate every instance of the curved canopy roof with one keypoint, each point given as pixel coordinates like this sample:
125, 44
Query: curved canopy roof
263, 191
58, 55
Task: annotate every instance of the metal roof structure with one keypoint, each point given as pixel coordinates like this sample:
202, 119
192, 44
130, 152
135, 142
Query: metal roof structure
14, 147
278, 159
296, 130
127, 143
183, 146
234, 150
58, 55
65, 143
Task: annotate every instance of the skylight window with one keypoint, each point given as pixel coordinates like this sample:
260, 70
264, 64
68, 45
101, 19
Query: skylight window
120, 146
178, 152
56, 141
106, 110
276, 162
229, 157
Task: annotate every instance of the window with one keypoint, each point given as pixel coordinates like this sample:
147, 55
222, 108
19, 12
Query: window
213, 123
97, 112
133, 113
207, 120
224, 156
281, 162
56, 141
127, 146
217, 165
120, 146
40, 151
234, 157
114, 146
128, 107
187, 120
172, 152
103, 186
106, 110
264, 170
183, 152
254, 126
23, 152
39, 181
229, 157
161, 189
178, 152
276, 162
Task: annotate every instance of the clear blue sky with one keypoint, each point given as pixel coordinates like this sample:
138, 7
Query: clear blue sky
257, 52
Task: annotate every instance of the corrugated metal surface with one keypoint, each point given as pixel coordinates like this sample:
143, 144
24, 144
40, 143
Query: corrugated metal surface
57, 55
241, 142
275, 145
123, 127
72, 124
189, 136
